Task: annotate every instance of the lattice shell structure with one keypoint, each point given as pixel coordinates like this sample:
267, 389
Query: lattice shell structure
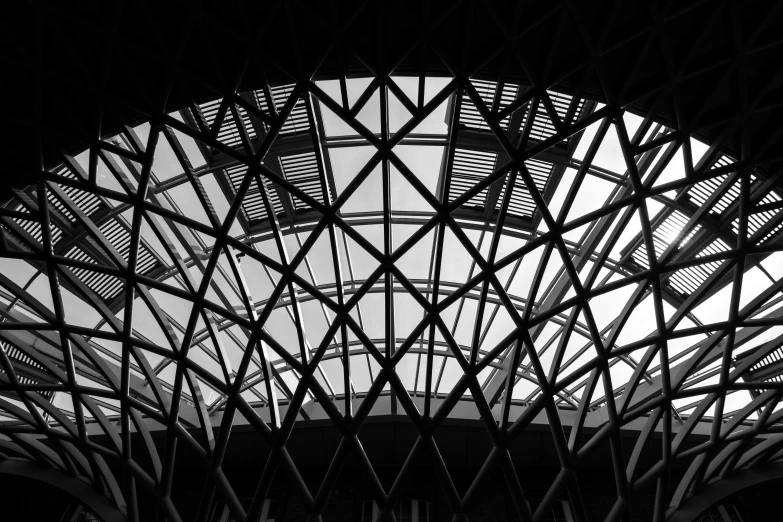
422, 247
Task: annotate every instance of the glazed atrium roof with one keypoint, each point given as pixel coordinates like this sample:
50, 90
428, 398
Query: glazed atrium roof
387, 244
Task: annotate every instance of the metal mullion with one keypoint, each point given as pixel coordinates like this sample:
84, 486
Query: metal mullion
135, 240
516, 350
209, 318
496, 308
116, 215
551, 112
569, 199
60, 321
467, 288
233, 261
64, 243
252, 162
744, 336
273, 162
359, 104
433, 283
284, 304
758, 426
327, 186
652, 260
105, 146
265, 365
655, 281
697, 358
587, 218
617, 457
490, 260
552, 413
444, 186
258, 376
358, 305
99, 376
33, 411
388, 246
664, 257
59, 312
222, 440
220, 118
282, 252
494, 191
258, 118
187, 279
196, 123
511, 370
311, 273
744, 204
527, 154
401, 96
406, 129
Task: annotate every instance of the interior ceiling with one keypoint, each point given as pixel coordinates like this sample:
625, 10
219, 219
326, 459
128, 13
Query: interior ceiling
76, 71
94, 71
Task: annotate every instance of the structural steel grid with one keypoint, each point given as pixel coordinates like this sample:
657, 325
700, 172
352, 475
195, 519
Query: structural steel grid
427, 243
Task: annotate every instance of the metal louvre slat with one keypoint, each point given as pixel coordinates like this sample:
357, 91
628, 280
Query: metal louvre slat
229, 132
119, 237
701, 191
87, 202
106, 286
669, 231
17, 356
689, 279
253, 204
522, 203
470, 167
757, 220
302, 171
542, 127
771, 233
34, 228
297, 121
470, 116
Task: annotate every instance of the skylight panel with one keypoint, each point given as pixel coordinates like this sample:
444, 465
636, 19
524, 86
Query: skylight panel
702, 191
229, 133
469, 115
118, 236
28, 370
88, 203
767, 369
688, 280
302, 170
757, 220
107, 287
543, 128
253, 204
469, 168
671, 230
479, 304
297, 122
33, 228
522, 203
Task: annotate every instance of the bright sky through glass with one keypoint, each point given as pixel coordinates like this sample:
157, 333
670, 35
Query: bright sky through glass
423, 152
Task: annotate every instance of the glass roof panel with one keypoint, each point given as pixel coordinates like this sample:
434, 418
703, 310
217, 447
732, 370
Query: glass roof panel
342, 251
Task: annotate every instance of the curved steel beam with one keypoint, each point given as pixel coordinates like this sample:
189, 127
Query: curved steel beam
100, 505
721, 489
